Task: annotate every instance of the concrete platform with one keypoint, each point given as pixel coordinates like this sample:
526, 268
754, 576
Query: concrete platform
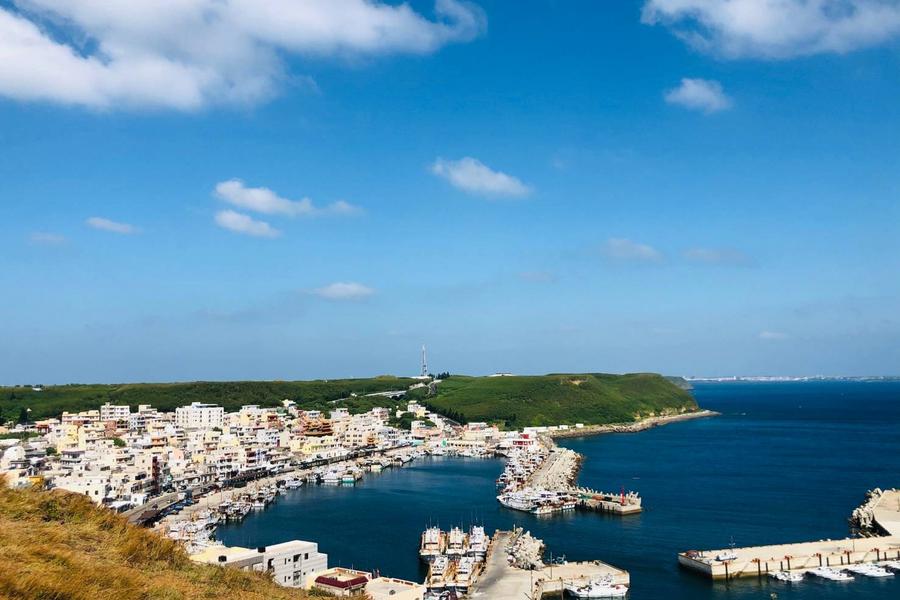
500, 580
759, 560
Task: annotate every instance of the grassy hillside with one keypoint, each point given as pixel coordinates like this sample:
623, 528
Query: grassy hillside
53, 400
591, 398
56, 545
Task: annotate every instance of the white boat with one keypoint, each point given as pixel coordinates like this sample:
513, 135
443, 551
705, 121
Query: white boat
786, 576
831, 574
331, 478
893, 565
464, 574
456, 542
602, 587
869, 570
293, 484
437, 573
478, 543
432, 545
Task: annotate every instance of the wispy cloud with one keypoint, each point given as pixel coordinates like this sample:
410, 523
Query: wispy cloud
717, 256
772, 335
344, 291
245, 224
265, 201
699, 94
43, 238
472, 176
104, 224
190, 54
777, 29
625, 250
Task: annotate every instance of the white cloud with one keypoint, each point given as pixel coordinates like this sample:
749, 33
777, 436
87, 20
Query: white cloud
772, 335
717, 256
344, 291
626, 250
699, 94
241, 223
186, 54
44, 238
777, 29
113, 226
471, 175
263, 200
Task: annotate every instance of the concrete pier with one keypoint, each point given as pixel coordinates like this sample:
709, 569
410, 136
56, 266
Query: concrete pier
501, 580
759, 560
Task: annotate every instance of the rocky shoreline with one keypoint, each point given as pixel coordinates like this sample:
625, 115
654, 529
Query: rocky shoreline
641, 425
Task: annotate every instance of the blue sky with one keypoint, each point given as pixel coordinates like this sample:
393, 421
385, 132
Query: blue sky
312, 189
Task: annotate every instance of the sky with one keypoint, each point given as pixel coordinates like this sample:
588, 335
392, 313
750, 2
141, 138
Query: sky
277, 189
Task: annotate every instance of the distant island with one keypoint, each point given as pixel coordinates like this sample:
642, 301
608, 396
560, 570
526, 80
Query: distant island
511, 401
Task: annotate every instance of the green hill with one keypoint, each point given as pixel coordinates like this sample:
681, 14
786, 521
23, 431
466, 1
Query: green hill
57, 545
590, 398
318, 394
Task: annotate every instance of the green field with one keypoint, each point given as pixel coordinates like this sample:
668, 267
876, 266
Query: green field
592, 399
318, 394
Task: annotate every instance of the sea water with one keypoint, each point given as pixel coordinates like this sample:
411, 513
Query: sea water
785, 462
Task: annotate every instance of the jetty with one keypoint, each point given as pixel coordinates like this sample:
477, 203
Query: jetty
882, 516
501, 577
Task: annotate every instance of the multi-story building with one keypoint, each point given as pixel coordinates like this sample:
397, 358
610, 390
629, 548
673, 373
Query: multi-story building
114, 412
199, 416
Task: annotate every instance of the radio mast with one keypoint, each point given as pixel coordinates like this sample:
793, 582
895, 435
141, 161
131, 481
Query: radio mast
424, 363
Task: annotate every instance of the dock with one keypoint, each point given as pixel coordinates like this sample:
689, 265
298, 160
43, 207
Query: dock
758, 561
502, 580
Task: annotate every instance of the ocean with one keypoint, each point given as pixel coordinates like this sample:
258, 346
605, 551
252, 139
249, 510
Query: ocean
785, 462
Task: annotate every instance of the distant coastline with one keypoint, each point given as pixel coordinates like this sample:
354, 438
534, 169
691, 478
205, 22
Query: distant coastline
790, 378
641, 425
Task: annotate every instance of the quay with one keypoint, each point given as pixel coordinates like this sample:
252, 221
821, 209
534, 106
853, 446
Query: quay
500, 579
758, 561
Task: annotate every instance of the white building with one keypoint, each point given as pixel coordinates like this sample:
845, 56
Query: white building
199, 416
114, 412
291, 564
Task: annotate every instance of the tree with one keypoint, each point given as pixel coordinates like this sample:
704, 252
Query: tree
23, 416
118, 442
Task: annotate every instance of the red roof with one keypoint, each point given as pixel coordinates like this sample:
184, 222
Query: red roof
341, 583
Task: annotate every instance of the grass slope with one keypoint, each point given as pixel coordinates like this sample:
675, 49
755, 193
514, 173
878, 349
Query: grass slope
590, 398
53, 400
57, 545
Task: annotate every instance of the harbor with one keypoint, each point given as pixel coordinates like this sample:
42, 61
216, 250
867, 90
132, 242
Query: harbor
541, 477
824, 558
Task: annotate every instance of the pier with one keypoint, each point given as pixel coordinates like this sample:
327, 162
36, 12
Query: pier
758, 561
500, 579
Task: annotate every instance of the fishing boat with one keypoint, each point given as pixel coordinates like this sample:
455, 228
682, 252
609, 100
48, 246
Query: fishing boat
786, 576
463, 577
432, 545
478, 543
456, 542
437, 573
831, 574
601, 587
869, 570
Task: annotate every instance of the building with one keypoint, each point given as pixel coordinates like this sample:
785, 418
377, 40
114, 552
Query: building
114, 412
199, 416
388, 588
343, 582
290, 564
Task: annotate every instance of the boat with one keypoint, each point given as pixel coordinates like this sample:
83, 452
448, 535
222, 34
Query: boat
437, 573
432, 545
463, 577
869, 570
293, 484
456, 542
478, 543
601, 587
786, 576
831, 574
331, 478
348, 479
893, 565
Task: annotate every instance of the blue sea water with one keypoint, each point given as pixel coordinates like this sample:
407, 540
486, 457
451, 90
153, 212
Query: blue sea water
784, 462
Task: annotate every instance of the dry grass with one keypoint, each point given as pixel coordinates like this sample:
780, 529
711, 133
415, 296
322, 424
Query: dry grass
59, 546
